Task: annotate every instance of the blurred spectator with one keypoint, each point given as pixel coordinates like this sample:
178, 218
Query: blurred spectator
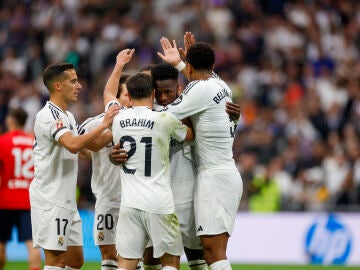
264, 190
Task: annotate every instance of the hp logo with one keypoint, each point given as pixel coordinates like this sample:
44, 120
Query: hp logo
328, 241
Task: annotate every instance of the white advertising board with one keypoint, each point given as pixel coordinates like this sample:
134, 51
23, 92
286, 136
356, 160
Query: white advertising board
296, 238
280, 238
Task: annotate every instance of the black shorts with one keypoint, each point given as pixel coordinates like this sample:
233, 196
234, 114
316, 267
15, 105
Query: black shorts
15, 218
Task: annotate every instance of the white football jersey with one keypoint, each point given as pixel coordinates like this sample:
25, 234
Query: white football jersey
182, 169
105, 179
56, 168
204, 101
145, 177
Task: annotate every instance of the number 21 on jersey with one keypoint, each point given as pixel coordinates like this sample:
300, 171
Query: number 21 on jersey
145, 142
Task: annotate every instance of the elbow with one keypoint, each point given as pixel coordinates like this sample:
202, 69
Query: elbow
73, 149
95, 149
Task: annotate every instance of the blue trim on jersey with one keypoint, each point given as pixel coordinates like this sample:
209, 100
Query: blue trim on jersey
54, 113
55, 110
81, 128
189, 86
215, 76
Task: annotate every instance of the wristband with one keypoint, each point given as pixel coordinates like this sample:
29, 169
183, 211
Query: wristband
180, 66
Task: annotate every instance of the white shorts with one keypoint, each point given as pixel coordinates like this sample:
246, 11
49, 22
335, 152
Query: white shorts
105, 220
56, 228
135, 228
216, 200
186, 216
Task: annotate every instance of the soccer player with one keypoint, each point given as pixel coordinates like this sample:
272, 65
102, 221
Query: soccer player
16, 173
106, 185
147, 207
182, 173
219, 185
56, 224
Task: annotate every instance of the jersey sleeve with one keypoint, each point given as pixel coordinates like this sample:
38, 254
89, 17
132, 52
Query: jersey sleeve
111, 103
190, 102
51, 127
86, 126
58, 128
177, 129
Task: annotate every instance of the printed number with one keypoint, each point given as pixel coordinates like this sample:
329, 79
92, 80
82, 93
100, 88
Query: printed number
232, 130
107, 220
65, 221
131, 152
23, 162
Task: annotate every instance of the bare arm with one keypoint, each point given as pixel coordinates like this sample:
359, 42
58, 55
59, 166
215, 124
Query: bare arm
85, 154
233, 110
190, 135
104, 139
112, 84
75, 143
171, 54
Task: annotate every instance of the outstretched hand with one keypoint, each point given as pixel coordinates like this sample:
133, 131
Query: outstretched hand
124, 56
110, 114
170, 52
233, 110
189, 39
118, 155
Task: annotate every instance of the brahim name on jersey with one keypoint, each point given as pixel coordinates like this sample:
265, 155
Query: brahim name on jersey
135, 122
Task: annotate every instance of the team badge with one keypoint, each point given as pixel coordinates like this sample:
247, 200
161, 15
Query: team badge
59, 123
101, 236
60, 241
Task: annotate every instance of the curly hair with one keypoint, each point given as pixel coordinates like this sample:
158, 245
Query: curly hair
164, 71
201, 56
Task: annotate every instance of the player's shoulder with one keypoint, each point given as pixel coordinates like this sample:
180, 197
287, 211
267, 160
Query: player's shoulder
90, 122
200, 87
193, 85
124, 112
113, 102
49, 113
4, 136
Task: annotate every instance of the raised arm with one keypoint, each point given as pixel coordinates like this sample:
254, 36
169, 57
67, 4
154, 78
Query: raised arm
171, 55
112, 84
189, 39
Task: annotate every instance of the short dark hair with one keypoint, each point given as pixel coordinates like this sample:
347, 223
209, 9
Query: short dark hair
54, 71
122, 80
164, 71
147, 67
139, 85
19, 116
201, 56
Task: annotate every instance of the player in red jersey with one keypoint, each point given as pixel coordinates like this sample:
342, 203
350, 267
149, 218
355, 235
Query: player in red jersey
16, 173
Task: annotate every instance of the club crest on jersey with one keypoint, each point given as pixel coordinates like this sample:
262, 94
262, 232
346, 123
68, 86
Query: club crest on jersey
59, 123
101, 236
60, 241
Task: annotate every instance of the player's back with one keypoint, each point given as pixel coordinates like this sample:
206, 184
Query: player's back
17, 169
205, 102
146, 175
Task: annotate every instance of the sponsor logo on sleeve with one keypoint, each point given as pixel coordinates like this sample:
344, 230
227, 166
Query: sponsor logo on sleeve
59, 123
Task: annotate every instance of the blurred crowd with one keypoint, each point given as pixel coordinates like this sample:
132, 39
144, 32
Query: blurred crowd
293, 67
